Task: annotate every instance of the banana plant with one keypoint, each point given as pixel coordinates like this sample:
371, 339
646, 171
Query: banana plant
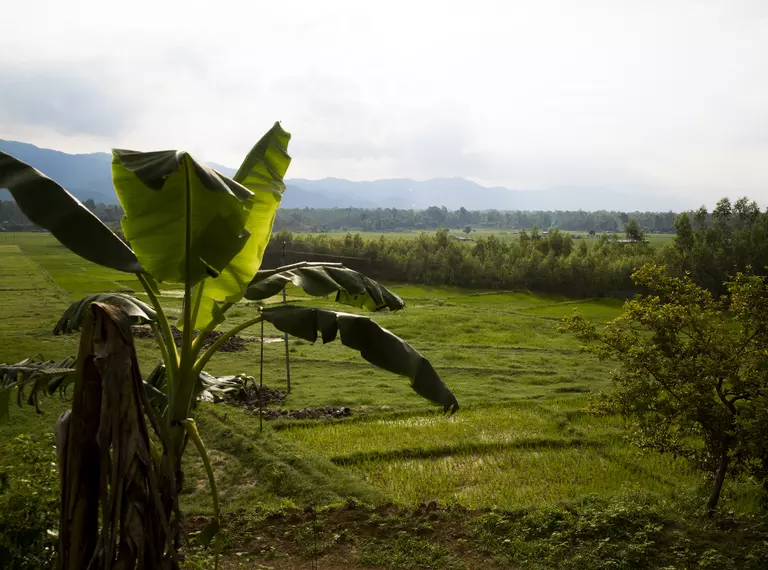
187, 224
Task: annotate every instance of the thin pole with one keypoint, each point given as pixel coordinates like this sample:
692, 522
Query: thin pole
261, 382
287, 358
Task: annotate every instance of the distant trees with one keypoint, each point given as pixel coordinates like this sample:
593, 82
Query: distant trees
534, 261
693, 373
712, 247
633, 231
11, 216
392, 219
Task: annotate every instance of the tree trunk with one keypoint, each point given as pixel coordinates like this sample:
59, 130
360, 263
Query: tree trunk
714, 496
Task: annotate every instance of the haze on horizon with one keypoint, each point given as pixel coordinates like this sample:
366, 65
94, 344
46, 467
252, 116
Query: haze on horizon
652, 96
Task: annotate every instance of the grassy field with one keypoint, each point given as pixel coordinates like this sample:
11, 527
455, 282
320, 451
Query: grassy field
656, 240
524, 438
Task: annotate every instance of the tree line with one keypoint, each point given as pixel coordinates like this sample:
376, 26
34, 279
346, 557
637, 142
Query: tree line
393, 219
13, 219
710, 246
549, 263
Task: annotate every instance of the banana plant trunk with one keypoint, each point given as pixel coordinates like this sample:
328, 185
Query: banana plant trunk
79, 457
118, 489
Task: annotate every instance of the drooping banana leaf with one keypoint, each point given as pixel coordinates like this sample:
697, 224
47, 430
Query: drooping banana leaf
262, 173
34, 371
376, 344
51, 207
215, 388
209, 388
138, 312
318, 279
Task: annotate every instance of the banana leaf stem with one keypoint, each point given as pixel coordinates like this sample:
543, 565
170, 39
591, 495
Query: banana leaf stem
267, 272
170, 346
197, 344
161, 344
206, 356
194, 435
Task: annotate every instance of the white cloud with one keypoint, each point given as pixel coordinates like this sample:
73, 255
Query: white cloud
671, 96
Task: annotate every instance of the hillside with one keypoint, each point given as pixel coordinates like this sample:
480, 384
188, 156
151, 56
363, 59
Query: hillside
84, 175
88, 176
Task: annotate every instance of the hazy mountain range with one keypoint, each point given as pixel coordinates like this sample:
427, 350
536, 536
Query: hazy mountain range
89, 176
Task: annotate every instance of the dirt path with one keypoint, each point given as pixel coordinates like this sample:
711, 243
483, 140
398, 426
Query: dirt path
352, 537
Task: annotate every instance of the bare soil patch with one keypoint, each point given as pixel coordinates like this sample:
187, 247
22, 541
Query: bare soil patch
235, 343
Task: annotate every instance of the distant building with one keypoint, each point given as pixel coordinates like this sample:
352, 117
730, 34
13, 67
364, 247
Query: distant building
461, 238
576, 236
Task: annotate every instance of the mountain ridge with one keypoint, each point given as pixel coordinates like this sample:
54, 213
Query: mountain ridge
88, 176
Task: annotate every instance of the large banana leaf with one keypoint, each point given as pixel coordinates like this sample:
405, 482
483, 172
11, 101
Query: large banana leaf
351, 288
34, 371
262, 173
376, 344
135, 310
184, 220
51, 207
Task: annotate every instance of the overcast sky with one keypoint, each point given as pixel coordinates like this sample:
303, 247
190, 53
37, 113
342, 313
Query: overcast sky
663, 96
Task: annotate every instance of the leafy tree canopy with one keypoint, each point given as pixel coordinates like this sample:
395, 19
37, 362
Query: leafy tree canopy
634, 231
692, 370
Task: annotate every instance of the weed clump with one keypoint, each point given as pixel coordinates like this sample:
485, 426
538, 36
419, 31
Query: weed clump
630, 531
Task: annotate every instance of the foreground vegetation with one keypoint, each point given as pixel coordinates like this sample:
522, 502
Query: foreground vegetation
526, 475
121, 445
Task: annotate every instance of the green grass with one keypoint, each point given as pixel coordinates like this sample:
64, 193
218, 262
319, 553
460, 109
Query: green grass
30, 303
257, 469
522, 439
510, 456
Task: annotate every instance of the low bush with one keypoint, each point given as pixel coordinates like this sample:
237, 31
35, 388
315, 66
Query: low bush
628, 532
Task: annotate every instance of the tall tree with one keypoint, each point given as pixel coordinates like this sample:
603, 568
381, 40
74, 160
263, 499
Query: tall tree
693, 370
